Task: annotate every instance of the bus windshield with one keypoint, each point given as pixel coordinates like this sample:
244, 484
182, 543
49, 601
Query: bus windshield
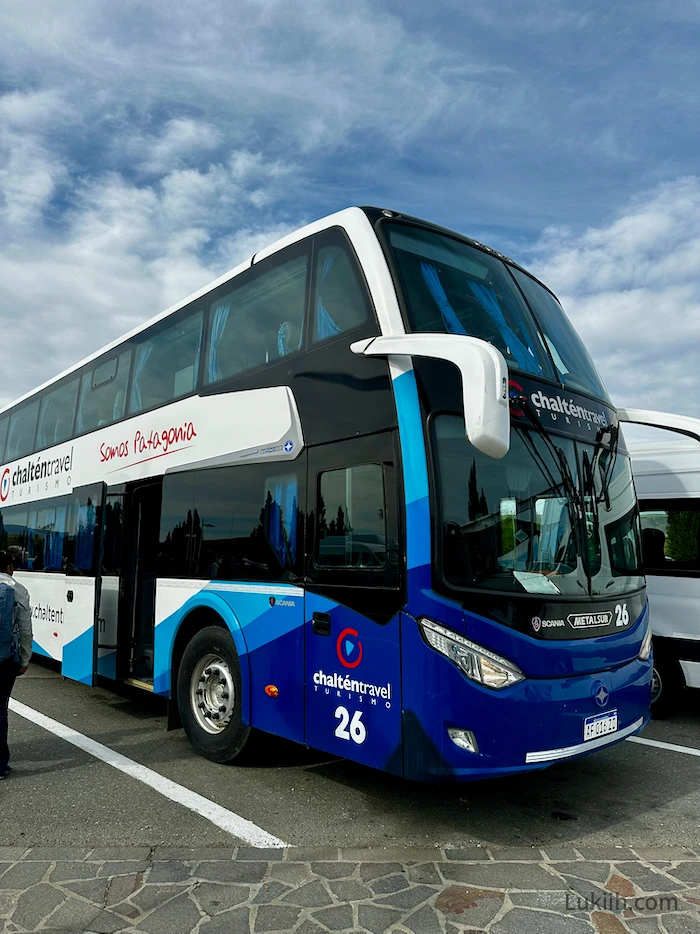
554, 516
453, 287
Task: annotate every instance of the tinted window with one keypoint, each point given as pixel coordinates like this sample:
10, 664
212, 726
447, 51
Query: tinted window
113, 528
166, 364
351, 518
671, 537
13, 534
243, 524
20, 439
4, 422
259, 321
340, 303
80, 541
56, 414
176, 521
455, 288
46, 531
574, 366
103, 393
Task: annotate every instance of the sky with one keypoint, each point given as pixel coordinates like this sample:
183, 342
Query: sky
148, 147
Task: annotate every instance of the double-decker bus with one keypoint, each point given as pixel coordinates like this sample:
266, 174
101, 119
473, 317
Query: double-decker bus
366, 492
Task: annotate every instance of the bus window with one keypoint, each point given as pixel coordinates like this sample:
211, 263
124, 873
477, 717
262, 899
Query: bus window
233, 529
166, 364
574, 366
80, 540
103, 393
259, 321
176, 522
20, 440
352, 518
46, 528
341, 303
56, 415
452, 287
13, 534
4, 422
671, 537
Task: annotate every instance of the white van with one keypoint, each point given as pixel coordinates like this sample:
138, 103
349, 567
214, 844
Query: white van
667, 479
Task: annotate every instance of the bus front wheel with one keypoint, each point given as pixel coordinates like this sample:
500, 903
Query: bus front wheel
209, 695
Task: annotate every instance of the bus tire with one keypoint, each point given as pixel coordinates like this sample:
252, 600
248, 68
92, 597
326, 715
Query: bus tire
666, 687
209, 695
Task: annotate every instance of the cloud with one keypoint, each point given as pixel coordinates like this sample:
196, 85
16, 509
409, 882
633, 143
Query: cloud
632, 289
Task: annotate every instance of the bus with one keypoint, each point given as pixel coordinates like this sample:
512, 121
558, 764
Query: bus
667, 479
366, 492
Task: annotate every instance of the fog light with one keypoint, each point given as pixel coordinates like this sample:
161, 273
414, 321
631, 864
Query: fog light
465, 739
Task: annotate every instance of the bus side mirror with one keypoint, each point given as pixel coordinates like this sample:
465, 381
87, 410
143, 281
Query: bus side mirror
484, 373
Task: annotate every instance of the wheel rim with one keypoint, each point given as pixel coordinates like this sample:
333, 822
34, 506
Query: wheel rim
212, 693
656, 686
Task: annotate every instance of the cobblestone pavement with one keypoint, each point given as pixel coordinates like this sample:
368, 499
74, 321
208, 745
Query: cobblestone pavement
166, 890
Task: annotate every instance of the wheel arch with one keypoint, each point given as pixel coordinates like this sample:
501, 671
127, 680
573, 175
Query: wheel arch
200, 611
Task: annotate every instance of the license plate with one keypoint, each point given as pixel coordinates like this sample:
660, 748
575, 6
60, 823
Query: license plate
600, 725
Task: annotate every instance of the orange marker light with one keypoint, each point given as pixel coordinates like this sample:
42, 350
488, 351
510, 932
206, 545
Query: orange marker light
272, 690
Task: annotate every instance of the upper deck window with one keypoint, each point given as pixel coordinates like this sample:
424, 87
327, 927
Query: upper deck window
453, 287
259, 321
167, 364
20, 439
575, 369
341, 303
103, 393
4, 422
56, 414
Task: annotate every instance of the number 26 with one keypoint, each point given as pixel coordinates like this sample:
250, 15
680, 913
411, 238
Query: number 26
357, 732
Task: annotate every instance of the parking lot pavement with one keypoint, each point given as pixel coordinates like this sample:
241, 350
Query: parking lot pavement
87, 844
167, 890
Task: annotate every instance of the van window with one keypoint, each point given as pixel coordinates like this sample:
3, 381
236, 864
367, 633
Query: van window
103, 393
20, 439
259, 321
671, 536
166, 364
56, 414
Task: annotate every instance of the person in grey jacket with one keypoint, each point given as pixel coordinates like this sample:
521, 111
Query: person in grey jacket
10, 668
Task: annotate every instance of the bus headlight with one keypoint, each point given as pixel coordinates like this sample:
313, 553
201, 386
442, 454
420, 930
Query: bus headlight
477, 663
645, 649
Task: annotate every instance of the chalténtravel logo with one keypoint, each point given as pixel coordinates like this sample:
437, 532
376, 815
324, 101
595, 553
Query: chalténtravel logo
349, 648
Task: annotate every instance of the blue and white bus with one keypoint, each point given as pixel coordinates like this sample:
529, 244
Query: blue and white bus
366, 492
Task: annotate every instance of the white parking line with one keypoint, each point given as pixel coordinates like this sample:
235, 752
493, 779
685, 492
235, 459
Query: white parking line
219, 816
688, 750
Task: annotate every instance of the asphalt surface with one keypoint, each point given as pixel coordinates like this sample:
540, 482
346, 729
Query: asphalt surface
59, 795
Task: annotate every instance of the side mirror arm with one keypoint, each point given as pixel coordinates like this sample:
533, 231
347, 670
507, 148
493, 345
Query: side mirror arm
484, 374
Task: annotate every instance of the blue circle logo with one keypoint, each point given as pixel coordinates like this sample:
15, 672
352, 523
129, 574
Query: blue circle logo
289, 447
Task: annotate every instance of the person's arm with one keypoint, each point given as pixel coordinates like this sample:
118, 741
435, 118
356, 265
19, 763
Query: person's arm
23, 622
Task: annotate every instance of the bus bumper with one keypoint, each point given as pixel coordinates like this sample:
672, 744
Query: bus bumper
528, 726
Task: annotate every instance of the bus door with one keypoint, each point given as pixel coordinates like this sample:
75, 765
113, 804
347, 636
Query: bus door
137, 586
80, 560
353, 597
